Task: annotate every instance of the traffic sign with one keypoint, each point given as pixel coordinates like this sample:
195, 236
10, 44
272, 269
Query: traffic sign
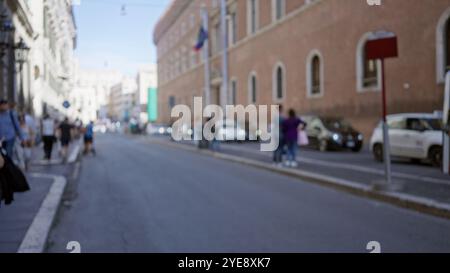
66, 104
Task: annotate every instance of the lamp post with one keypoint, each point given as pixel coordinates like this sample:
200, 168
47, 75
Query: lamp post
21, 51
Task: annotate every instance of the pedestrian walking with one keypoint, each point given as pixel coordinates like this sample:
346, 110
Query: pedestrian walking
214, 143
27, 141
291, 128
9, 128
89, 139
32, 126
65, 137
278, 153
48, 136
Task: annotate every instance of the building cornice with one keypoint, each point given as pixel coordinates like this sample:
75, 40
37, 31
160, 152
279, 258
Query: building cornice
20, 8
170, 16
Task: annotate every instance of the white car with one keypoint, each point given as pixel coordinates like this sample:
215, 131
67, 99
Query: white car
414, 136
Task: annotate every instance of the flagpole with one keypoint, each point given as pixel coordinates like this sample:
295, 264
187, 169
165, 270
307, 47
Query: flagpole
207, 91
223, 22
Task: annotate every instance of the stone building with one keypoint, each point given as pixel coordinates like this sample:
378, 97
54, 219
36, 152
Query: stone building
308, 55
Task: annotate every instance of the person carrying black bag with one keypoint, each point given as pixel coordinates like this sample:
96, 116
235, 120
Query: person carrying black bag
12, 179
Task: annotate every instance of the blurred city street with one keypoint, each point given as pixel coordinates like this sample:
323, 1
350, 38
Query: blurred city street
224, 126
137, 196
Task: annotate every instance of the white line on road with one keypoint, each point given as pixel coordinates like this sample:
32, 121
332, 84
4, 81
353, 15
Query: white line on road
37, 234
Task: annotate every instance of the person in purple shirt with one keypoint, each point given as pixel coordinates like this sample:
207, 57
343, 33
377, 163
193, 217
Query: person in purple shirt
291, 126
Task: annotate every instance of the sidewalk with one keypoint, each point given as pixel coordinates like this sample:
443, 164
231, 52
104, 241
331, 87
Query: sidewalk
424, 189
17, 218
42, 201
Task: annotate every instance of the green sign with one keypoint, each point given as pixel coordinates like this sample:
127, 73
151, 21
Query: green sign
152, 104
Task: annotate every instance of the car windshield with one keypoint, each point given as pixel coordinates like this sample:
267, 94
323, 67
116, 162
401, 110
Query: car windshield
336, 124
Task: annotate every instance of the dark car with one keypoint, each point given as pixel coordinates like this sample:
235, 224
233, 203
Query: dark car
331, 133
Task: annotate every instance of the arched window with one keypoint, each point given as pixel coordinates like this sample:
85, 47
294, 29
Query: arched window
443, 46
252, 88
279, 82
447, 45
314, 74
368, 71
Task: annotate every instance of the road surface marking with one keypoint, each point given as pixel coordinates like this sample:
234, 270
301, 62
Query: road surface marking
37, 234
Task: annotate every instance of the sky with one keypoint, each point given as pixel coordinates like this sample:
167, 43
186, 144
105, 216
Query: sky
109, 39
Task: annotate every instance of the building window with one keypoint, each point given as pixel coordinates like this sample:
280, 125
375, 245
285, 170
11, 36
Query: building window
232, 28
252, 16
278, 9
233, 92
443, 46
217, 45
447, 45
279, 82
171, 102
314, 74
252, 88
368, 71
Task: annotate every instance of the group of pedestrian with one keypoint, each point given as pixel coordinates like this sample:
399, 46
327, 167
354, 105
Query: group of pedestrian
24, 128
51, 131
12, 179
65, 131
290, 134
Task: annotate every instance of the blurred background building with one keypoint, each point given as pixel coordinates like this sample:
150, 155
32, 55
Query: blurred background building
147, 93
123, 100
90, 96
37, 54
307, 55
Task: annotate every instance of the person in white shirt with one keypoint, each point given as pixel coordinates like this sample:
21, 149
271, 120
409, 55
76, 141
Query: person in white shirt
48, 136
31, 123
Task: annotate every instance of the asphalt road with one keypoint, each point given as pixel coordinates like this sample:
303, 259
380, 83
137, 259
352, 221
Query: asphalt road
141, 197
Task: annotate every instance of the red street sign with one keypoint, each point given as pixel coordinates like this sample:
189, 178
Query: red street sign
383, 48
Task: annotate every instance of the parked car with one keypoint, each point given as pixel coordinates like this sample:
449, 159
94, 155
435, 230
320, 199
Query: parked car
332, 133
415, 136
158, 129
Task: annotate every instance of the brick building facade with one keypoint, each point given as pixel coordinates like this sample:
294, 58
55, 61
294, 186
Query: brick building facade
308, 55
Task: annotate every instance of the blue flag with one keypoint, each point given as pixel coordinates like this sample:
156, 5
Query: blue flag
202, 37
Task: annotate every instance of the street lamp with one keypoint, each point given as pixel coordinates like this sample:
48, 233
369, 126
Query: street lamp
21, 51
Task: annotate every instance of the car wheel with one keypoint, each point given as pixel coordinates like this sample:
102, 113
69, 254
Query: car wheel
357, 149
435, 156
378, 152
416, 161
323, 145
